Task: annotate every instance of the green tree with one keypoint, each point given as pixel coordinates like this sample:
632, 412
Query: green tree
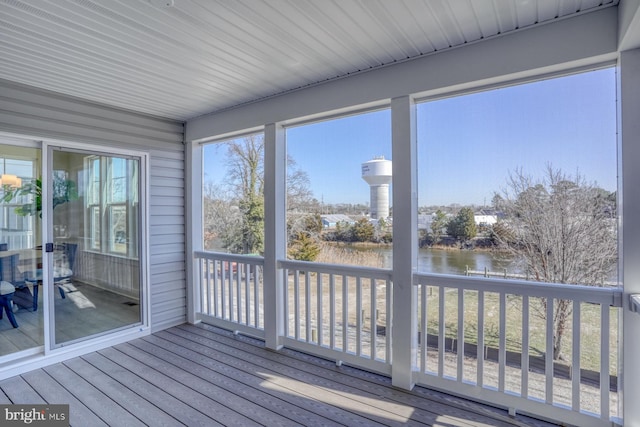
234, 212
438, 224
245, 159
304, 248
363, 230
463, 225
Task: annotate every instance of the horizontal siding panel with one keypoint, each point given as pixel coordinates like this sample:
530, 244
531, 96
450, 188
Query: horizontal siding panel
167, 266
48, 128
160, 181
167, 249
167, 281
162, 154
161, 163
167, 173
167, 239
167, 313
44, 98
161, 230
177, 294
168, 219
167, 201
163, 260
166, 191
62, 116
171, 210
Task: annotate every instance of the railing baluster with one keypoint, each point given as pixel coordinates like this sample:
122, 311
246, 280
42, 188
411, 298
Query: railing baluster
373, 319
296, 302
480, 348
460, 344
524, 365
332, 311
548, 356
502, 346
216, 303
256, 296
238, 299
388, 317
204, 291
319, 322
345, 314
441, 329
423, 328
307, 305
575, 357
358, 315
604, 361
287, 304
223, 287
247, 294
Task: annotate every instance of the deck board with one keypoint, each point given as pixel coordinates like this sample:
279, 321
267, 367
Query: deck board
202, 375
54, 393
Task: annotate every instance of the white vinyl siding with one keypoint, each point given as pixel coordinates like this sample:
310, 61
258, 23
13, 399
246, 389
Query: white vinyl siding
37, 113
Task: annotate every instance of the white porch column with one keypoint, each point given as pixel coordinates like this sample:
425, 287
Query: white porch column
405, 208
275, 162
629, 155
193, 224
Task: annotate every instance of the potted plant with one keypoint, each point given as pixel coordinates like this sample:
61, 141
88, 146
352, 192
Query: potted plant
64, 190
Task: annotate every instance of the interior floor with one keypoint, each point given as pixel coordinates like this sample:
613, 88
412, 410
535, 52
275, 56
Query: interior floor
86, 310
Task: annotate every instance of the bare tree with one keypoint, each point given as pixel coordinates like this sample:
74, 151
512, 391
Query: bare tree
222, 220
245, 161
234, 212
563, 230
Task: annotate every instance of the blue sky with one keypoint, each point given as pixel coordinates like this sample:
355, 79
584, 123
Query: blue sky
467, 145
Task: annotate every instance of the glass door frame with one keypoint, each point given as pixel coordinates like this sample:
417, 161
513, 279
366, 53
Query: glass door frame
48, 147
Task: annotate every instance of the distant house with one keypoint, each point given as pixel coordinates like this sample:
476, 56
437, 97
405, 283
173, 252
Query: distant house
331, 221
486, 217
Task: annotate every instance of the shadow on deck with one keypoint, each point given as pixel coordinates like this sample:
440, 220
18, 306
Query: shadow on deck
202, 375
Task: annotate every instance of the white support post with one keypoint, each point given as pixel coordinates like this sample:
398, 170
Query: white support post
629, 154
275, 162
193, 225
404, 327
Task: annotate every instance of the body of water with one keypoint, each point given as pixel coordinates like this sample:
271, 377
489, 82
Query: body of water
452, 261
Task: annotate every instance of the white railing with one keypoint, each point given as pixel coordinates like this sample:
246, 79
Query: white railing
231, 291
477, 334
339, 312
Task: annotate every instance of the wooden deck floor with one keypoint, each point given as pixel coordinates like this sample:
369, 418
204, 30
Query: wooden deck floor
204, 376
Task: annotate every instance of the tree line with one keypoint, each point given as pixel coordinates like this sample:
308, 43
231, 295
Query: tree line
561, 228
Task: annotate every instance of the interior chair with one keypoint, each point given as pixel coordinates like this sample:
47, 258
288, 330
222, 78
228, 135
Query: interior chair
8, 273
64, 260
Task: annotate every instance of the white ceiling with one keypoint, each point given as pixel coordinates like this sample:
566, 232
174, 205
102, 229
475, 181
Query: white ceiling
198, 56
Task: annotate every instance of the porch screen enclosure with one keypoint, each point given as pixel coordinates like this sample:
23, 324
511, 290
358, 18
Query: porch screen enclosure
519, 180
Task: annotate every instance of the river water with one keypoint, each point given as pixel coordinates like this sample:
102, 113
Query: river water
452, 261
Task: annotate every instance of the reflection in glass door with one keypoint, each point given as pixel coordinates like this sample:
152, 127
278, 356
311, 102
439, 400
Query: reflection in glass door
21, 326
96, 238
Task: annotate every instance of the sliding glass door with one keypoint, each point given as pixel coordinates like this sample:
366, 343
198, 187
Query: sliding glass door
21, 325
94, 265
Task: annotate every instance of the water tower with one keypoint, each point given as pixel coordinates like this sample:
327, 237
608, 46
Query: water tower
377, 173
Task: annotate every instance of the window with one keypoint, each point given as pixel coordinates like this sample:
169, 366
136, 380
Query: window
339, 190
111, 209
17, 221
233, 195
508, 179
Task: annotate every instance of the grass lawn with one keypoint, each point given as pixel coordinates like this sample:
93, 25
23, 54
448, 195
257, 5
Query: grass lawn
589, 336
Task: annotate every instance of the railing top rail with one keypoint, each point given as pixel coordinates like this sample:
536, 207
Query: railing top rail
245, 259
348, 270
591, 294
